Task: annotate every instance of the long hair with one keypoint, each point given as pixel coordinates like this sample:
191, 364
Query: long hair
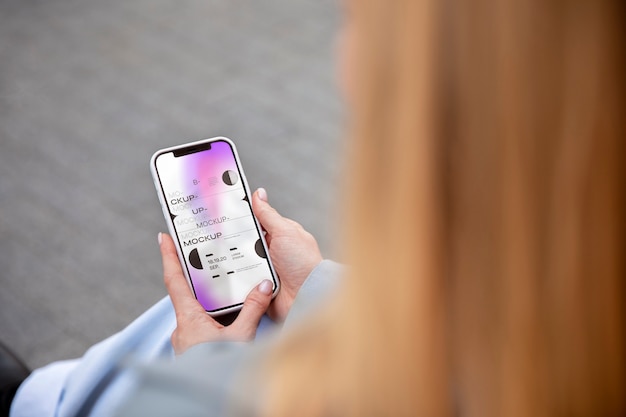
484, 218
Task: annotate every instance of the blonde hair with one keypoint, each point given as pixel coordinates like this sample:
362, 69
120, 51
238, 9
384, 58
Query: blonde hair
484, 219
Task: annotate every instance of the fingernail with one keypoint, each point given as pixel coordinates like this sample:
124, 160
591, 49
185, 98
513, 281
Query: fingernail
265, 287
262, 194
160, 238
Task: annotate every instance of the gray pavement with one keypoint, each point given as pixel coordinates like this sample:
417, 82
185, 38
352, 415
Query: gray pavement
90, 89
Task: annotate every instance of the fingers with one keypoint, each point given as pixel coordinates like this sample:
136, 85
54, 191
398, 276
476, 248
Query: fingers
270, 219
262, 194
254, 307
194, 326
182, 298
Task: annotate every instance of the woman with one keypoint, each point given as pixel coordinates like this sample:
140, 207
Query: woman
483, 225
484, 219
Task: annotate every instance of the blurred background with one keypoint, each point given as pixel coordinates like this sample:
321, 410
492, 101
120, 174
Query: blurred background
90, 89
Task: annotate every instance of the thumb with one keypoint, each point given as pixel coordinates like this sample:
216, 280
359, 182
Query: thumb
254, 307
269, 218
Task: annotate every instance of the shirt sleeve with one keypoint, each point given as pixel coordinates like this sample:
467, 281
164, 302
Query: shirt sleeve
315, 291
200, 382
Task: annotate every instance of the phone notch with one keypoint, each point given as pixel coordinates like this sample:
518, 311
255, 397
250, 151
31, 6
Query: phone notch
191, 149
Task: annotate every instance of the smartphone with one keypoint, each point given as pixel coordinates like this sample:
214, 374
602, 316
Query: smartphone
206, 203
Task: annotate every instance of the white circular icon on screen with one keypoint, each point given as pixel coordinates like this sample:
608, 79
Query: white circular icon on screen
230, 177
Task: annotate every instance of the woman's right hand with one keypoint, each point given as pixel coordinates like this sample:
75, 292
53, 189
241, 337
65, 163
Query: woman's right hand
293, 250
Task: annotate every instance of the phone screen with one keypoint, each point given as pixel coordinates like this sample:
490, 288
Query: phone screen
206, 199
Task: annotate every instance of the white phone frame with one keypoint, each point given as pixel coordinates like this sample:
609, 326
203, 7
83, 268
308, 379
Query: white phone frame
170, 223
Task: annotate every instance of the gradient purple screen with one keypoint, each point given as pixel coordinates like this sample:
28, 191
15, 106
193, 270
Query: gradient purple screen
212, 219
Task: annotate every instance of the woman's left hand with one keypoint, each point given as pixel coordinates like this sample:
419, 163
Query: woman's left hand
193, 324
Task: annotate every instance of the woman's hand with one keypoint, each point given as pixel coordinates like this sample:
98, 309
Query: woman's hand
293, 250
193, 324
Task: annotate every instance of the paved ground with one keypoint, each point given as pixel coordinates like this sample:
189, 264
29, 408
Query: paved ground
90, 89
